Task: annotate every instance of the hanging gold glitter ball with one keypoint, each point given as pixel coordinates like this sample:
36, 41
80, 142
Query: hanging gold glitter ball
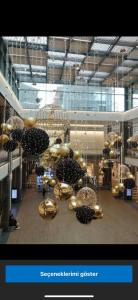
86, 196
121, 187
6, 127
106, 144
77, 154
52, 182
63, 190
115, 192
64, 151
98, 211
30, 122
48, 208
72, 202
4, 139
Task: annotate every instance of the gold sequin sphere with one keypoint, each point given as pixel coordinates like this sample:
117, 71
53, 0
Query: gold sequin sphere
48, 209
63, 190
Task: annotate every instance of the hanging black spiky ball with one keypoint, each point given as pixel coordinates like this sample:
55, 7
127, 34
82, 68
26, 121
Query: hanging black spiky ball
68, 170
84, 214
10, 146
17, 134
106, 152
129, 183
39, 171
35, 141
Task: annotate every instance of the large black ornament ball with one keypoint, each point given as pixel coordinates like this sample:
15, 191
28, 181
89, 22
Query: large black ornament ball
17, 134
68, 170
129, 183
106, 152
39, 171
10, 146
84, 214
35, 141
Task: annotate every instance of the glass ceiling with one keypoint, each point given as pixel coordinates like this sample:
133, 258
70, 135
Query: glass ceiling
74, 60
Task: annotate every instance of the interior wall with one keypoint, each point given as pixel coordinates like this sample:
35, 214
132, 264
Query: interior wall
90, 142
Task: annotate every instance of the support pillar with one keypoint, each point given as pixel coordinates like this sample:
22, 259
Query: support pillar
7, 201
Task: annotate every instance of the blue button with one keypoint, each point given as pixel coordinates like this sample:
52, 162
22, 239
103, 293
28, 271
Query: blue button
69, 273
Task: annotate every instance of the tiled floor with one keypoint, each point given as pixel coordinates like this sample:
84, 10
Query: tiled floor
119, 225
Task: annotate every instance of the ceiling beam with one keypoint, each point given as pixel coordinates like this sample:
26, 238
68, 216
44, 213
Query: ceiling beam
66, 54
107, 53
83, 61
28, 58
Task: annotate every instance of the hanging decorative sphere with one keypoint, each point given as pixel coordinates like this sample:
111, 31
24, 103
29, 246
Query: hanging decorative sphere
63, 190
4, 139
106, 144
72, 202
112, 153
123, 170
64, 151
48, 208
106, 152
84, 214
68, 170
15, 122
105, 163
30, 122
35, 141
54, 152
129, 183
77, 154
86, 196
121, 187
98, 211
131, 176
17, 134
52, 182
115, 192
10, 146
40, 171
6, 128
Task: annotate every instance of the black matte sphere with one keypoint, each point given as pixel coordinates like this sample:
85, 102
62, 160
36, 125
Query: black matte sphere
10, 146
35, 141
68, 170
84, 214
129, 183
17, 134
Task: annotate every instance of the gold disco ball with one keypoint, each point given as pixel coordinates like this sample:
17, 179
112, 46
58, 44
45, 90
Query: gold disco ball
46, 155
123, 171
106, 144
112, 144
72, 202
131, 176
77, 154
63, 190
54, 152
115, 192
44, 179
48, 208
98, 211
83, 166
121, 187
80, 160
119, 138
112, 153
30, 122
4, 139
80, 182
64, 151
6, 127
86, 196
52, 182
116, 187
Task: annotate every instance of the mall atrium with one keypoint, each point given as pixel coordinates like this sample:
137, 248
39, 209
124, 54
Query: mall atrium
69, 139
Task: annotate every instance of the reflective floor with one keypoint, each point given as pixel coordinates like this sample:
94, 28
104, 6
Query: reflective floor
119, 224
